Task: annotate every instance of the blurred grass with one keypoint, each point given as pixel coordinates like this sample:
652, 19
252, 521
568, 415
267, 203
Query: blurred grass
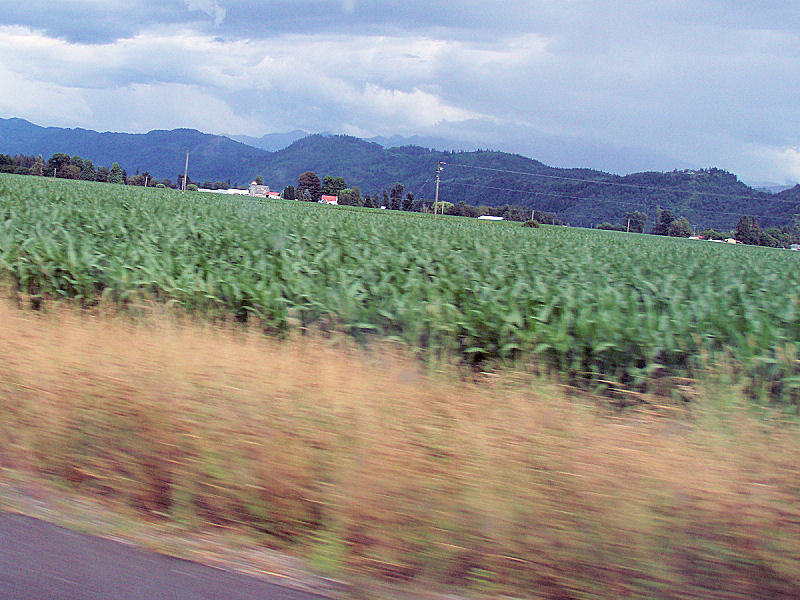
365, 465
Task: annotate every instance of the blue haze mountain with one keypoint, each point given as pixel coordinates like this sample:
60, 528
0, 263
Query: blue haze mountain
162, 153
271, 141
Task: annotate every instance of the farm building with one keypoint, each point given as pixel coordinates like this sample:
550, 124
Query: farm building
490, 218
329, 199
259, 190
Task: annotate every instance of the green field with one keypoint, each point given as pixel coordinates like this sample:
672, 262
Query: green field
593, 305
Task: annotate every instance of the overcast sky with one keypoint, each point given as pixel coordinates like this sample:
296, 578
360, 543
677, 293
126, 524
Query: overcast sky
658, 83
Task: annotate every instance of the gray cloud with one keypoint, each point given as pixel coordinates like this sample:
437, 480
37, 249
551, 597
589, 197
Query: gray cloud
580, 23
711, 84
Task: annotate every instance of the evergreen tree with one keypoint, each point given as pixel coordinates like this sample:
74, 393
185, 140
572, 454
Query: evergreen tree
408, 203
288, 192
38, 166
397, 196
664, 218
87, 171
115, 174
748, 231
385, 199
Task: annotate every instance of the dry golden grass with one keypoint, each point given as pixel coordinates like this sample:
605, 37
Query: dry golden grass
366, 464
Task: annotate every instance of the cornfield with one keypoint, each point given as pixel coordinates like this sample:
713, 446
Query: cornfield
596, 306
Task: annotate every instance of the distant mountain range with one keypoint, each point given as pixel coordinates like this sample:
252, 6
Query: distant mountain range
271, 141
585, 197
162, 153
278, 141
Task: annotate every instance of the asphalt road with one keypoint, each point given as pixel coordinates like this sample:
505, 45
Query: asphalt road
42, 561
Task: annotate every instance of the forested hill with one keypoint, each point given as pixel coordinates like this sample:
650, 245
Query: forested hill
708, 198
791, 195
161, 153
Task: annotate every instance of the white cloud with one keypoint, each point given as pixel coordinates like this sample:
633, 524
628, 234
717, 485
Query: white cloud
167, 55
357, 77
393, 110
770, 163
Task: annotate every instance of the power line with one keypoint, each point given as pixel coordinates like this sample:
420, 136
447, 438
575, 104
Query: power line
520, 190
605, 201
620, 184
647, 205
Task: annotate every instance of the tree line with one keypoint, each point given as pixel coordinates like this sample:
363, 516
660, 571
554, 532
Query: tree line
747, 230
64, 166
311, 189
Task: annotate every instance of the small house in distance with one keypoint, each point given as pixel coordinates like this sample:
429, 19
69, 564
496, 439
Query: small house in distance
490, 218
329, 199
262, 191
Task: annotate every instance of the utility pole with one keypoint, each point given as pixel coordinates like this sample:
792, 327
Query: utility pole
145, 180
628, 227
436, 201
533, 214
185, 172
